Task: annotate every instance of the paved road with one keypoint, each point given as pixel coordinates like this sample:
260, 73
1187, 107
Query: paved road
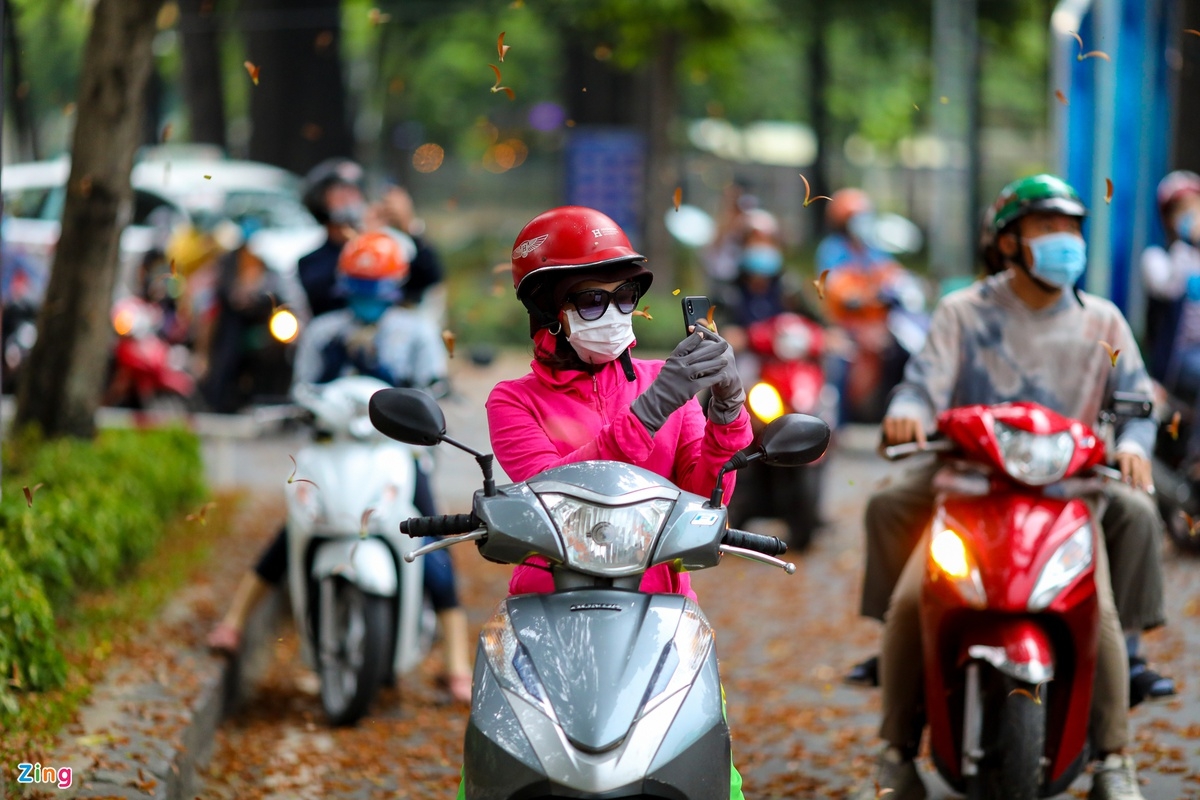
783, 643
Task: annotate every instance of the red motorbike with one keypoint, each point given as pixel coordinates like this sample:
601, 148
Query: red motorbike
1009, 611
787, 349
148, 373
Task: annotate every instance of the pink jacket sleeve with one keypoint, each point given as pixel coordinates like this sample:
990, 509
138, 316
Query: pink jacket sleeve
705, 446
524, 449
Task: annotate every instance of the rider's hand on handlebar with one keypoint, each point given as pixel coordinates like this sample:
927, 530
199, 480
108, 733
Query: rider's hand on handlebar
902, 430
1135, 470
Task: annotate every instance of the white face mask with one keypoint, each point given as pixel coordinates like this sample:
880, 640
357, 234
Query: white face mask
600, 341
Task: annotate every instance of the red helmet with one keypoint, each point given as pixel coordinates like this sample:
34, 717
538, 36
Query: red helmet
844, 204
1177, 185
373, 256
566, 239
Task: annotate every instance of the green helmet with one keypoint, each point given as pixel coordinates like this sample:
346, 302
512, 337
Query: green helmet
1044, 193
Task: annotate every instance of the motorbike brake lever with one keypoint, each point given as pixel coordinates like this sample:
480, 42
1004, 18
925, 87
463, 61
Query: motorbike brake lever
449, 541
751, 555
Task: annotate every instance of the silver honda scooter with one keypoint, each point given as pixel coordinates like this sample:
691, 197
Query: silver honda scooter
359, 606
597, 690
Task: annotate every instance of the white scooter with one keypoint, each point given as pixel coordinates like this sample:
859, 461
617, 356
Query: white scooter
359, 605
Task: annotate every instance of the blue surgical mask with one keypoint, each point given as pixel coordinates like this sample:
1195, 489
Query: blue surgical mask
368, 309
762, 259
1058, 258
1188, 226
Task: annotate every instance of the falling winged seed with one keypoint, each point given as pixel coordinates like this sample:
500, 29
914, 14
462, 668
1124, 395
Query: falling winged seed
820, 284
1108, 190
944, 100
675, 292
362, 522
501, 47
917, 107
1095, 54
252, 71
501, 268
1078, 38
377, 17
208, 177
30, 492
1062, 98
1173, 428
808, 200
678, 196
174, 272
1037, 700
166, 132
1192, 31
448, 339
709, 317
645, 312
1112, 354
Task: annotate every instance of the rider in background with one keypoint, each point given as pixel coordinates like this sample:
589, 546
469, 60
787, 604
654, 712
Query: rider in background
394, 210
334, 196
373, 336
858, 295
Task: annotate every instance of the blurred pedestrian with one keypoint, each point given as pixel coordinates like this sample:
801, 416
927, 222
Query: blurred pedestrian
1172, 279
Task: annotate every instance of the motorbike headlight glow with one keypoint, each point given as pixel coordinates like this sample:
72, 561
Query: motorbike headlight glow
1072, 558
284, 325
1034, 459
606, 540
950, 556
765, 402
682, 658
510, 661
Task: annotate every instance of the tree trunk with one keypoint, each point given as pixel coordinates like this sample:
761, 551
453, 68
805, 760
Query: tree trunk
18, 87
67, 368
662, 169
609, 89
298, 109
202, 88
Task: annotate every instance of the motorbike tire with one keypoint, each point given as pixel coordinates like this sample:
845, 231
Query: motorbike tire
804, 514
1013, 770
352, 667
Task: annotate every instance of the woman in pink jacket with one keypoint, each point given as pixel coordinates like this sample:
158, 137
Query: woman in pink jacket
587, 398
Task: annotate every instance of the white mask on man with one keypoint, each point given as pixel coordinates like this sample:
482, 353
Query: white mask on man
602, 340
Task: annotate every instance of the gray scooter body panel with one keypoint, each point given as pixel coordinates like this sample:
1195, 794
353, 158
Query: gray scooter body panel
596, 664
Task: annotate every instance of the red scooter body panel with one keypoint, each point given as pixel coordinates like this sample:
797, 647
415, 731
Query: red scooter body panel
1010, 535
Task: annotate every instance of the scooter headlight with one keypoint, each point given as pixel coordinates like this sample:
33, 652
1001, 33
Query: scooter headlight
284, 326
681, 658
510, 661
1072, 558
765, 402
952, 560
1032, 458
606, 540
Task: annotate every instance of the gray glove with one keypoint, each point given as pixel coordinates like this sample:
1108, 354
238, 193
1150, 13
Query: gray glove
728, 396
698, 362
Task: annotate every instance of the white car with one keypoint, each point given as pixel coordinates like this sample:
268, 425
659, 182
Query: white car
170, 186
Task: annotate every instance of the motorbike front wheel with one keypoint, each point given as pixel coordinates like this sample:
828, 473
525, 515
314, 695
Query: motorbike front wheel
353, 636
1012, 770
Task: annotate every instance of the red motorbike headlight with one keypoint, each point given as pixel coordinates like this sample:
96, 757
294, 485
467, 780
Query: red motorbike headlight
1032, 458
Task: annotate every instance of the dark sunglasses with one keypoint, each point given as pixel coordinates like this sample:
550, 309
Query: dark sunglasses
592, 303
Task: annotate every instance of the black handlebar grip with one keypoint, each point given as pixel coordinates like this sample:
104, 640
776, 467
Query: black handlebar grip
445, 525
767, 545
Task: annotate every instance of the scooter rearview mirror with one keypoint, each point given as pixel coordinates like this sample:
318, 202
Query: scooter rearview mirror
407, 415
794, 440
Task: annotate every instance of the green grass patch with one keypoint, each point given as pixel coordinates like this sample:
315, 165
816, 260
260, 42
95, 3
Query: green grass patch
77, 516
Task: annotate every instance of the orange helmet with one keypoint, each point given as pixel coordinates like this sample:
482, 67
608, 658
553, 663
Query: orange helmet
565, 242
373, 256
844, 204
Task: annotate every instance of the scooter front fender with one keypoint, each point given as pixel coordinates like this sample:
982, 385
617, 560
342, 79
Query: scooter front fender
1019, 648
367, 563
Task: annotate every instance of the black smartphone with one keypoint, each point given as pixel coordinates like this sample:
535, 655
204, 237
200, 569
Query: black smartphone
695, 309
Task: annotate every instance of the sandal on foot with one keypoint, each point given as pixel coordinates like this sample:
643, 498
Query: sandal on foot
225, 639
